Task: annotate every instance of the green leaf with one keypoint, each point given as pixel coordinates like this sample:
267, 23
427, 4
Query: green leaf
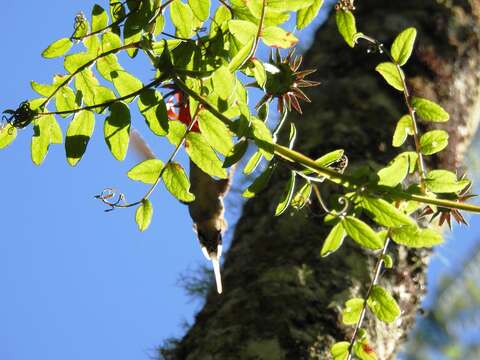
443, 181
143, 215
403, 129
275, 36
215, 132
433, 142
263, 137
93, 45
73, 62
259, 72
334, 240
8, 133
117, 130
244, 31
46, 131
43, 89
126, 83
306, 15
223, 82
287, 195
65, 100
402, 47
57, 48
103, 95
236, 153
327, 159
176, 132
352, 311
384, 213
346, 26
132, 30
252, 163
110, 41
85, 83
153, 109
109, 67
361, 233
147, 171
200, 8
414, 237
383, 305
203, 155
177, 183
388, 261
99, 18
430, 111
339, 350
302, 196
363, 350
260, 182
182, 18
79, 132
391, 74
241, 56
398, 169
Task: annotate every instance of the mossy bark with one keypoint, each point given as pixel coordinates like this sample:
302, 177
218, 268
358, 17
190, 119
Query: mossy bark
281, 299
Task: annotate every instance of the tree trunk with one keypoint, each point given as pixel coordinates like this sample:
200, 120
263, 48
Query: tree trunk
281, 299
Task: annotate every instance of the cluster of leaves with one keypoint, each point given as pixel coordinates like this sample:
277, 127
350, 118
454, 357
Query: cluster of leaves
198, 100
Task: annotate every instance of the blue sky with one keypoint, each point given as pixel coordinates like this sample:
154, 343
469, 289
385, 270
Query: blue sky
78, 283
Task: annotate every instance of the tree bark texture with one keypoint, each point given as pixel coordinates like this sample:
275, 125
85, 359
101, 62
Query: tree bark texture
281, 299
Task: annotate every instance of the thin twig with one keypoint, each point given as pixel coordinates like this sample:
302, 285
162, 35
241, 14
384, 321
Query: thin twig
376, 277
106, 103
85, 66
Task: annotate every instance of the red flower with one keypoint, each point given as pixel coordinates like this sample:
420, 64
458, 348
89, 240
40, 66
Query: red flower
178, 108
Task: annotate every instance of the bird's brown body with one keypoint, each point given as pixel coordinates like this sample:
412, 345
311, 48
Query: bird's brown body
207, 213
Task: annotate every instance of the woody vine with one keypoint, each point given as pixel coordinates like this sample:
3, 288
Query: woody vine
199, 101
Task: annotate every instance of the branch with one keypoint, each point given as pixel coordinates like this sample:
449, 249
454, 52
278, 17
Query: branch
331, 175
86, 65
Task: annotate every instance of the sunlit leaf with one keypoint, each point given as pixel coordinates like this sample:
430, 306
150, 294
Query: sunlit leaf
383, 305
392, 74
147, 171
57, 48
177, 183
429, 110
143, 215
79, 132
352, 311
117, 130
346, 26
287, 195
402, 47
334, 240
361, 233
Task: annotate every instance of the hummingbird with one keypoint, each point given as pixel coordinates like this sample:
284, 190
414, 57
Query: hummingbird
206, 211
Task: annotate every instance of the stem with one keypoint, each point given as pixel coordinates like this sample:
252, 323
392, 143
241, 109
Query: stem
227, 6
106, 103
86, 65
376, 277
295, 157
411, 110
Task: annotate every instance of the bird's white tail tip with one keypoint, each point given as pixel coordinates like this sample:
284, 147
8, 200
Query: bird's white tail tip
216, 270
